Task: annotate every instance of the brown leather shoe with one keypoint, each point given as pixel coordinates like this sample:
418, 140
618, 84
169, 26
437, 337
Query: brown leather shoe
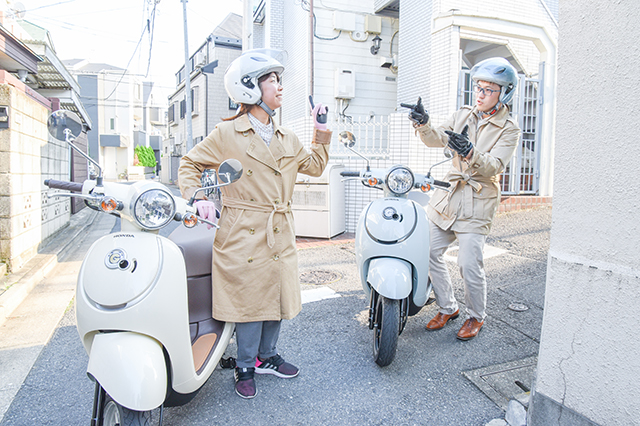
441, 320
469, 329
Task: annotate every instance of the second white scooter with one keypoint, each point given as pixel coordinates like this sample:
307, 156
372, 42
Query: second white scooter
392, 246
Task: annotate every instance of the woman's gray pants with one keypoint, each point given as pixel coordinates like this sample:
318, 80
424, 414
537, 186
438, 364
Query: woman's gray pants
256, 339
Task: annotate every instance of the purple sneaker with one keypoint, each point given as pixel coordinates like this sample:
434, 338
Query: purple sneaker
277, 366
245, 385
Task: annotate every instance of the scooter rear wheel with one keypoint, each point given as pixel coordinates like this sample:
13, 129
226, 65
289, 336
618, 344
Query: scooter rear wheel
385, 330
115, 414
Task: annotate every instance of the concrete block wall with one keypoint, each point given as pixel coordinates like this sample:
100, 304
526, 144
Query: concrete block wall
28, 156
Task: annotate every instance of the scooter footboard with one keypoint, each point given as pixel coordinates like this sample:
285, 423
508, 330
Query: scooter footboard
131, 368
391, 277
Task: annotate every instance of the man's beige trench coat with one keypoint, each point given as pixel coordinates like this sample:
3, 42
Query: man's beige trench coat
255, 264
475, 191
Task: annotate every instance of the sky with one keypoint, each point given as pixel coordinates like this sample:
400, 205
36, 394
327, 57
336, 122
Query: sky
114, 32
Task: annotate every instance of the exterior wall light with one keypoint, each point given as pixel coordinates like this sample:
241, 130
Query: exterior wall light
376, 45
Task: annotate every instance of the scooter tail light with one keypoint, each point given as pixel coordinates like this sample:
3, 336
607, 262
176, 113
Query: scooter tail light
189, 220
108, 204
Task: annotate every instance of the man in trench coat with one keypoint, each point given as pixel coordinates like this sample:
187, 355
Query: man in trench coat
484, 139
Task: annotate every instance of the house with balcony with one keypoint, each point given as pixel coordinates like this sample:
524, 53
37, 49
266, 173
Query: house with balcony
125, 112
364, 58
209, 100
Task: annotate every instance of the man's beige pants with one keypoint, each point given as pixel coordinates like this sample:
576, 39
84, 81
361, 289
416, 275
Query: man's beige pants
471, 264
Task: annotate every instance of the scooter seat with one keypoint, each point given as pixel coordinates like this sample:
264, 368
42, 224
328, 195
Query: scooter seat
196, 245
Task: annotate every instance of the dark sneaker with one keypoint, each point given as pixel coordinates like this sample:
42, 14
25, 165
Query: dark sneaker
245, 385
276, 366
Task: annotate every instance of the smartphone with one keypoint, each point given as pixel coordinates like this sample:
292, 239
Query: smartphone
322, 118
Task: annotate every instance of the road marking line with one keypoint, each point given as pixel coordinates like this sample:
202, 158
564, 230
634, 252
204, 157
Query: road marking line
318, 294
488, 252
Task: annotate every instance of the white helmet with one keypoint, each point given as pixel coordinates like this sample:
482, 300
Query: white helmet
500, 72
241, 77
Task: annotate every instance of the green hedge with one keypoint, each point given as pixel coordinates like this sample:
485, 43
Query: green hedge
146, 156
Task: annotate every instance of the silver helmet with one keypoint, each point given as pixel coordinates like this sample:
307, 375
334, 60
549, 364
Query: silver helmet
498, 71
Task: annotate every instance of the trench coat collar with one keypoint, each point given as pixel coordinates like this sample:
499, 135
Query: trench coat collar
268, 155
498, 119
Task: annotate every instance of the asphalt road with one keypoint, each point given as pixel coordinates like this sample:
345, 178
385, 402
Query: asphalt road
339, 383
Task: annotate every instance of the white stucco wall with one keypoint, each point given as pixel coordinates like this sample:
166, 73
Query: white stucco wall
589, 356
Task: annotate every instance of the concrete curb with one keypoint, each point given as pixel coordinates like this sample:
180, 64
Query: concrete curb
25, 279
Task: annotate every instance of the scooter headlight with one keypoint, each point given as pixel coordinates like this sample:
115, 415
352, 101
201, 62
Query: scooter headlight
154, 209
400, 180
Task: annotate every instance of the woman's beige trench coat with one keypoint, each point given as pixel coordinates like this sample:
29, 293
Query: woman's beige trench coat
475, 191
255, 263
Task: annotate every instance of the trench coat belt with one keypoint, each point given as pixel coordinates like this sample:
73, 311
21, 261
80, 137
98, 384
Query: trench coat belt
458, 178
237, 203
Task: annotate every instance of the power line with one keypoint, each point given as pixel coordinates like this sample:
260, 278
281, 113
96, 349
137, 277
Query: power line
146, 29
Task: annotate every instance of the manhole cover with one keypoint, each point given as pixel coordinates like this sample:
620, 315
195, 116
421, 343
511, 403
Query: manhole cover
518, 307
319, 277
504, 382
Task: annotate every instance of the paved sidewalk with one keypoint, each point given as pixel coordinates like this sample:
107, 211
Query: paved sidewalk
17, 285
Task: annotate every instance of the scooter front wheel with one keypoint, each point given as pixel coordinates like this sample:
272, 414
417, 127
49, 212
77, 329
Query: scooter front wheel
115, 414
385, 330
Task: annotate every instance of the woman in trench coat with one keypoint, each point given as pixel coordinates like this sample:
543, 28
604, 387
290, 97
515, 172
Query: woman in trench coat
255, 265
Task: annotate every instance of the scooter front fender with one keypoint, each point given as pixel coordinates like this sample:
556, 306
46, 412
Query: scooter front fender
390, 277
131, 368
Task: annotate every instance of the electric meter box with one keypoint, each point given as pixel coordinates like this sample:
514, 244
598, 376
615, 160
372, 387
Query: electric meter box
345, 84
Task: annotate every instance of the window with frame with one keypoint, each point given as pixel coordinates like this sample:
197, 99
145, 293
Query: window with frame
171, 113
195, 100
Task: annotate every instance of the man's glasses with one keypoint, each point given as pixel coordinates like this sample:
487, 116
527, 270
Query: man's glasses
484, 91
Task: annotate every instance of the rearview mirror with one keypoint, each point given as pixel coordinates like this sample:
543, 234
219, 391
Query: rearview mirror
63, 123
230, 170
347, 138
447, 152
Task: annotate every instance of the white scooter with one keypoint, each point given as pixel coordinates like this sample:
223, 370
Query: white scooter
143, 302
392, 249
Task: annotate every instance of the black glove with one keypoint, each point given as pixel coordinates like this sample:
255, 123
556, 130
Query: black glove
417, 114
459, 142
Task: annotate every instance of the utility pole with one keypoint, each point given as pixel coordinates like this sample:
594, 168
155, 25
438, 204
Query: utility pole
187, 78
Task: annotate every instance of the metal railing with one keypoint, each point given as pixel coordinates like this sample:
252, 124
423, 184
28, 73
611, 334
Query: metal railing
372, 136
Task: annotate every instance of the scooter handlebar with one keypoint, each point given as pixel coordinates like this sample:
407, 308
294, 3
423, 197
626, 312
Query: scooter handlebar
60, 184
441, 183
350, 174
